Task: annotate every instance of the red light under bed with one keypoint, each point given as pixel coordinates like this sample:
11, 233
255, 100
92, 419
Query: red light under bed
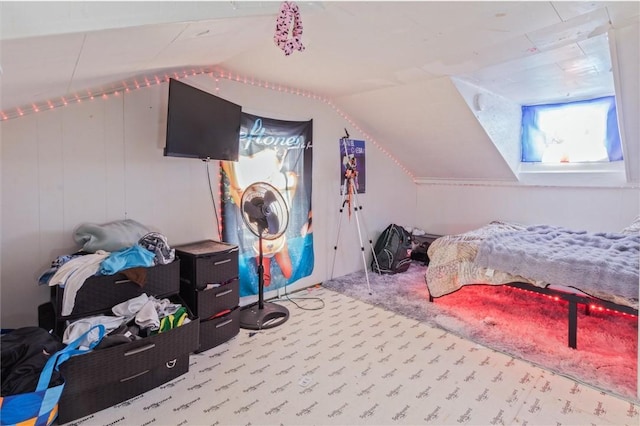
593, 307
534, 327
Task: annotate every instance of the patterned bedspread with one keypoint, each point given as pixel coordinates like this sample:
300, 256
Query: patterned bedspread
603, 265
451, 261
452, 265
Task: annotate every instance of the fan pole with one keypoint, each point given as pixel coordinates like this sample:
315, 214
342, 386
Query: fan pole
260, 275
349, 189
262, 315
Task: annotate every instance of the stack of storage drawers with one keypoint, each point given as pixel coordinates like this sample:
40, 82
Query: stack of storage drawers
209, 285
105, 377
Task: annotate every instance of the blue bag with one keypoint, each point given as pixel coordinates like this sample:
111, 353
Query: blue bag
40, 408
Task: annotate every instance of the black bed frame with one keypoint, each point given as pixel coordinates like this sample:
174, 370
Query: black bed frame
573, 300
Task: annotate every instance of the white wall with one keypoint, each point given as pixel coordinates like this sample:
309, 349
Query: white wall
454, 207
501, 119
626, 70
103, 160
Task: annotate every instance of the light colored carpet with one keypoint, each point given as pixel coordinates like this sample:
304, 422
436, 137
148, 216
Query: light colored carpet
351, 363
523, 324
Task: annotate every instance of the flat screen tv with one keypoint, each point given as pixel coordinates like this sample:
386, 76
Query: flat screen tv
201, 125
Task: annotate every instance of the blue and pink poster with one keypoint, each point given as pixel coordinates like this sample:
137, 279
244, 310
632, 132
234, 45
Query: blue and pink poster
279, 153
352, 164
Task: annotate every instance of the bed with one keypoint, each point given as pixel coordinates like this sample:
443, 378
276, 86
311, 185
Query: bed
579, 267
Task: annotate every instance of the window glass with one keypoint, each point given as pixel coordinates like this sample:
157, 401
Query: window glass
573, 132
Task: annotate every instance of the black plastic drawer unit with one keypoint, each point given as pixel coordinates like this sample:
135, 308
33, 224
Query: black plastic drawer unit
210, 287
101, 292
104, 377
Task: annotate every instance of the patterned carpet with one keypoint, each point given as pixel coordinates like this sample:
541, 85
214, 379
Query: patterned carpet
522, 324
340, 361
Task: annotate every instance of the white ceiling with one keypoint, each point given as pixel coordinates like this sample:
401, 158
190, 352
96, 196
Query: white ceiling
528, 52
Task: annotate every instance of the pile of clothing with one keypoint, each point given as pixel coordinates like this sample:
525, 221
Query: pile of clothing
25, 351
122, 246
134, 319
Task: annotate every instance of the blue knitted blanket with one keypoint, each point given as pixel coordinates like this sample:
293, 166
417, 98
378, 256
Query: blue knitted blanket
595, 263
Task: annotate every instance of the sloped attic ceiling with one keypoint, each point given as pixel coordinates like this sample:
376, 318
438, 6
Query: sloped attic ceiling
388, 65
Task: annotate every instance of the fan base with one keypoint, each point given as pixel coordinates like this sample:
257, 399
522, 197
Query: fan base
271, 315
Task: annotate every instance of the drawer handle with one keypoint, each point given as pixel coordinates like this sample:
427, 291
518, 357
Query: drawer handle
172, 363
140, 349
220, 262
134, 376
222, 324
121, 281
224, 293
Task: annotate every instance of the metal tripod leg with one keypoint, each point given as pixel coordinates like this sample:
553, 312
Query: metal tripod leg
373, 252
349, 184
342, 203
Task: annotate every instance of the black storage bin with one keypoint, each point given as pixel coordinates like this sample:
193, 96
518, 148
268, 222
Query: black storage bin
422, 243
207, 262
76, 403
102, 292
209, 285
218, 330
105, 377
46, 316
215, 300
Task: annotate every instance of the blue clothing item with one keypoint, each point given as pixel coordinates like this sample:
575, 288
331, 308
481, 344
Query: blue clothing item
126, 258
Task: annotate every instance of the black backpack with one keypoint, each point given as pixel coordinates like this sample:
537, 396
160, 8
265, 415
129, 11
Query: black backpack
392, 251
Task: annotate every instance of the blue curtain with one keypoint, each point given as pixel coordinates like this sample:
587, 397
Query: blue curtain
533, 138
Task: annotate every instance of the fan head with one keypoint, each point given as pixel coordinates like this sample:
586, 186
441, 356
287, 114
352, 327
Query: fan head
264, 210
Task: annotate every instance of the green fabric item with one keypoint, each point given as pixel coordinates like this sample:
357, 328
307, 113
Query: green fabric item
173, 320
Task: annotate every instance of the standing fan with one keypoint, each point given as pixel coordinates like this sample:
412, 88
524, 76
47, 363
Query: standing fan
265, 213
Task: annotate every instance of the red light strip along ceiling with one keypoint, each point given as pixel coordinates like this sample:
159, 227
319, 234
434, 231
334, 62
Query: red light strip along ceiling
217, 74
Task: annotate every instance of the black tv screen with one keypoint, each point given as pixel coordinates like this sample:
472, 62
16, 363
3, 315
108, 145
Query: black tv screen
201, 125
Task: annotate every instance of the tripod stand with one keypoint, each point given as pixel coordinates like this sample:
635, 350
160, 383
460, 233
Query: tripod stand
349, 195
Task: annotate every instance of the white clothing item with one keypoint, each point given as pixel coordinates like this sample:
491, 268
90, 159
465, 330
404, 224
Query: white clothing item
147, 310
131, 307
165, 307
147, 317
77, 328
69, 267
73, 274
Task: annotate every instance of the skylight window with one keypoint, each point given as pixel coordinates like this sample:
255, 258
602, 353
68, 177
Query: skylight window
572, 132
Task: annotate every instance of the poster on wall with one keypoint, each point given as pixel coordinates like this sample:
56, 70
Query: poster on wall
279, 153
352, 164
